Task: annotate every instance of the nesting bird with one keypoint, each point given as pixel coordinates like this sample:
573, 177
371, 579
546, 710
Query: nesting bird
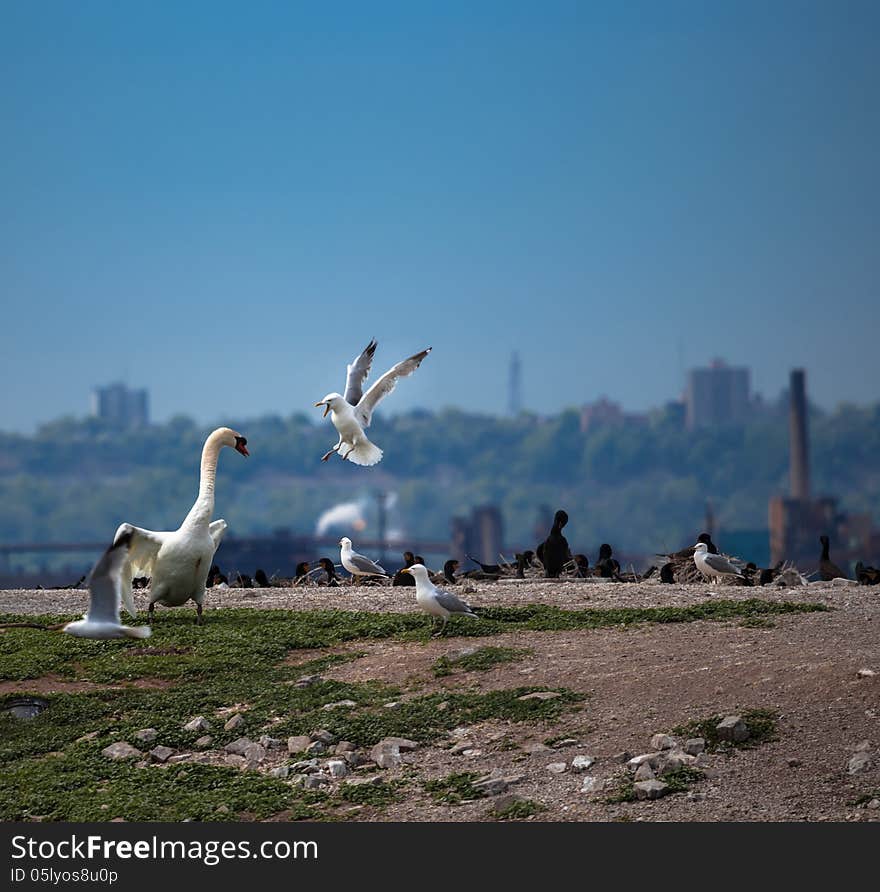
554, 550
828, 570
436, 602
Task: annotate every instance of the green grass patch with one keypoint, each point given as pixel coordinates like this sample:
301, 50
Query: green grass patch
478, 660
454, 788
762, 725
519, 810
376, 795
678, 779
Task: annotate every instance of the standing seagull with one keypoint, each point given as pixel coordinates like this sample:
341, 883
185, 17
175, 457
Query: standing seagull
106, 585
434, 601
351, 414
713, 565
357, 564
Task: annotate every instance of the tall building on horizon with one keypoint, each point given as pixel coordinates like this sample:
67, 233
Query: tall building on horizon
717, 395
121, 406
514, 391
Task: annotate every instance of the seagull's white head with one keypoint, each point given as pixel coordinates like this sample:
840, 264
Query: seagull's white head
331, 401
701, 548
419, 571
345, 542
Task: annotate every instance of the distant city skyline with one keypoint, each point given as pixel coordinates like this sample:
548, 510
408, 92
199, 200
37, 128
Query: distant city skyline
223, 204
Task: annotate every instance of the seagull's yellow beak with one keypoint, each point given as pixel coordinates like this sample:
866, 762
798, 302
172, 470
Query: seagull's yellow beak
406, 570
326, 408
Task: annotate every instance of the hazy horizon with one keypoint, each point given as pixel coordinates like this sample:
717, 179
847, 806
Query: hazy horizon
223, 204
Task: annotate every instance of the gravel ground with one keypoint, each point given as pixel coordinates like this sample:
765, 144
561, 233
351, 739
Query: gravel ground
637, 681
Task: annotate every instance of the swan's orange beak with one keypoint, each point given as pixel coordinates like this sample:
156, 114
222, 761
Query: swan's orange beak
241, 446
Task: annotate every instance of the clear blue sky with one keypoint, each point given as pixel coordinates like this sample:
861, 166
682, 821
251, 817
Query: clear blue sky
224, 201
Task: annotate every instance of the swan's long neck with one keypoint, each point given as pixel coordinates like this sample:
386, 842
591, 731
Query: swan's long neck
203, 509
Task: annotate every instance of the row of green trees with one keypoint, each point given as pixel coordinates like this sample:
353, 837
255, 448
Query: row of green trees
643, 487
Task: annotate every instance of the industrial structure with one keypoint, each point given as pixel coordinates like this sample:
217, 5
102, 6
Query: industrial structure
717, 395
121, 406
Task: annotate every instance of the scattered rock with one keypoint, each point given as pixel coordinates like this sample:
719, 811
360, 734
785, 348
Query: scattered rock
386, 755
316, 748
695, 746
557, 767
373, 781
733, 729
695, 796
491, 786
345, 746
313, 781
253, 755
622, 756
592, 785
204, 742
235, 761
567, 741
702, 760
339, 703
239, 747
90, 736
161, 753
582, 763
663, 742
460, 747
298, 744
199, 723
672, 760
651, 789
540, 695
121, 750
636, 761
308, 680
874, 804
471, 753
146, 735
402, 743
863, 746
306, 766
337, 768
323, 736
859, 762
270, 743
180, 757
645, 772
866, 673
234, 722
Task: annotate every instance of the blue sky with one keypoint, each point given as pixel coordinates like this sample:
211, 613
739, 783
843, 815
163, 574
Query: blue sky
223, 202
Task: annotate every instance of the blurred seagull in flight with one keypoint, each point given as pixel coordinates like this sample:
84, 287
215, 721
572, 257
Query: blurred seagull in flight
351, 414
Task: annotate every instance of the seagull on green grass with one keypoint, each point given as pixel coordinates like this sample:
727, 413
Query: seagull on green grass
435, 601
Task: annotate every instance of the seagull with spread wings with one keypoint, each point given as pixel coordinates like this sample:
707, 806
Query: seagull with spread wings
351, 414
106, 585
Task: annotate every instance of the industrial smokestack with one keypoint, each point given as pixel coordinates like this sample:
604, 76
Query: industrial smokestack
799, 445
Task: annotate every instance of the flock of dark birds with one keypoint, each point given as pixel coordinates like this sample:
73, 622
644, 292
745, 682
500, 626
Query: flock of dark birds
551, 559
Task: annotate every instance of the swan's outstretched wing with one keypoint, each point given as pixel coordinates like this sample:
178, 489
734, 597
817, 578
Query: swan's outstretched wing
217, 529
357, 374
142, 551
384, 385
106, 582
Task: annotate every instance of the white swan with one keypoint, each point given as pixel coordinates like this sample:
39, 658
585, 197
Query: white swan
179, 561
106, 585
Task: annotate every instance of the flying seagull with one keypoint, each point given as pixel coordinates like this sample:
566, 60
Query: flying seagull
106, 586
357, 564
434, 601
351, 414
713, 565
